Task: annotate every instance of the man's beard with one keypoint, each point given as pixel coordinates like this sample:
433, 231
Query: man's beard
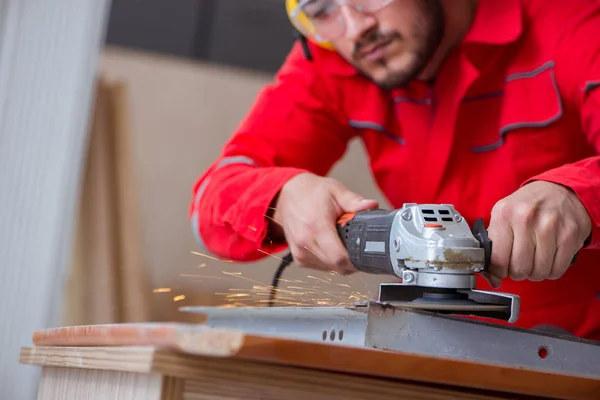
427, 32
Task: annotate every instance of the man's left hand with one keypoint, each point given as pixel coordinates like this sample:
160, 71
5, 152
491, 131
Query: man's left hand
536, 232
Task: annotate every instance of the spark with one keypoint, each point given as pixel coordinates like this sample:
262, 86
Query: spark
291, 281
239, 275
252, 228
272, 219
232, 295
270, 255
179, 298
210, 257
205, 255
319, 279
162, 290
200, 276
311, 251
203, 265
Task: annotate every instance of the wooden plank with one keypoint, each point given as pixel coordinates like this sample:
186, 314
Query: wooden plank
313, 385
85, 384
93, 288
133, 277
205, 341
173, 388
230, 378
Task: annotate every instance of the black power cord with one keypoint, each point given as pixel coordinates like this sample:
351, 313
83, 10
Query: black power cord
285, 261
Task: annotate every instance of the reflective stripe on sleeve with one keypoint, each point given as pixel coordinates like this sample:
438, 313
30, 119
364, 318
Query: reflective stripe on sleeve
196, 214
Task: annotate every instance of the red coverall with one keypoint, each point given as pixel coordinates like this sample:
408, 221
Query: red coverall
518, 100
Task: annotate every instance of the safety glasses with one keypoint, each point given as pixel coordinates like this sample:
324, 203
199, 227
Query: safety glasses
322, 20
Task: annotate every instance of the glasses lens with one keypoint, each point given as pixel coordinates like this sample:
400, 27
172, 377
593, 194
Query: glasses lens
369, 5
319, 19
322, 20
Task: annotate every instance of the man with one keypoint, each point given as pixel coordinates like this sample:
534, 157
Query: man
493, 106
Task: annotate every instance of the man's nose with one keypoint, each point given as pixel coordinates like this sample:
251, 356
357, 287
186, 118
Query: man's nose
357, 23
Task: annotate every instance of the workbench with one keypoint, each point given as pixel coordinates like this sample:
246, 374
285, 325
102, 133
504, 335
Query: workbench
195, 361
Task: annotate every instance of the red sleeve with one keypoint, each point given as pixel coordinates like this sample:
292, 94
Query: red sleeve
578, 76
294, 126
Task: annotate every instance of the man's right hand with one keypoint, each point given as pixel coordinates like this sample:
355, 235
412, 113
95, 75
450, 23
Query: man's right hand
307, 208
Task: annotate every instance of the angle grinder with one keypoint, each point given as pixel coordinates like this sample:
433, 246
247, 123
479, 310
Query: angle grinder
433, 252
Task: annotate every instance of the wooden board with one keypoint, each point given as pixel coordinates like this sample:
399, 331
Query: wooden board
200, 340
225, 378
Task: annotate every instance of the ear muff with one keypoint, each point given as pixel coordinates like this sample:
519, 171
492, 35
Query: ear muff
301, 22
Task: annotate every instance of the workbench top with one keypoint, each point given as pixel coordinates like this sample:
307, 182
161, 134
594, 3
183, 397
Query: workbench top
233, 364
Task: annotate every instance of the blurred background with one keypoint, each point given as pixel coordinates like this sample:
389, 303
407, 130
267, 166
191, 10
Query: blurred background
110, 111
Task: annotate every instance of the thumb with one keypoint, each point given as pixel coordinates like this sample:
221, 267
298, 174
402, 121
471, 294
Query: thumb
352, 202
494, 281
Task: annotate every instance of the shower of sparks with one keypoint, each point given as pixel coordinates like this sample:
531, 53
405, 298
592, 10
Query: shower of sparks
297, 293
313, 291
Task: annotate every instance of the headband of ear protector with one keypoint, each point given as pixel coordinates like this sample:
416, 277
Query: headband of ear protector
303, 25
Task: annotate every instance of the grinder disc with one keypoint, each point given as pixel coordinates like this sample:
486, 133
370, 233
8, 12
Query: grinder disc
443, 306
449, 301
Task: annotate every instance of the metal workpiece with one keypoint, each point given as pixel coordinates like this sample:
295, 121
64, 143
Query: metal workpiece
334, 325
432, 334
383, 326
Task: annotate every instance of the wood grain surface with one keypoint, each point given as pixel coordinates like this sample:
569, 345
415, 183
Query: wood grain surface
229, 378
88, 384
177, 340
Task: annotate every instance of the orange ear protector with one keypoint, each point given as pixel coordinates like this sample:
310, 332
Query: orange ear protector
302, 23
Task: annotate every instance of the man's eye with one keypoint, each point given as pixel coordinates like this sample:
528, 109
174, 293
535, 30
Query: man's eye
318, 10
318, 14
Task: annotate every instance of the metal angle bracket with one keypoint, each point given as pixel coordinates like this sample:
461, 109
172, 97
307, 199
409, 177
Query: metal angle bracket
331, 325
432, 334
383, 326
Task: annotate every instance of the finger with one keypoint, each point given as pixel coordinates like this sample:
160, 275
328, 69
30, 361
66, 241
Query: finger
501, 235
562, 261
494, 281
349, 201
523, 252
300, 246
545, 249
567, 247
335, 253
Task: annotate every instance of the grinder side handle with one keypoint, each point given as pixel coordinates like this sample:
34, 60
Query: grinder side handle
366, 237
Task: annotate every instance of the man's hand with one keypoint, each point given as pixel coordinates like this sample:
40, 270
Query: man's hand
536, 232
308, 207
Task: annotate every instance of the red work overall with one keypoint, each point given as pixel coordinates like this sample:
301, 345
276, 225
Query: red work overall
518, 100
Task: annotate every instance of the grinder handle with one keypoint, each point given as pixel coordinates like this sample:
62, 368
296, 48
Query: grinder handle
363, 228
481, 235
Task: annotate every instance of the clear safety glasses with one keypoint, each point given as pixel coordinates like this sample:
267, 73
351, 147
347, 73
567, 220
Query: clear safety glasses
322, 20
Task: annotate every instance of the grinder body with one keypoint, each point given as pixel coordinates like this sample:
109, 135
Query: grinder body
423, 244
